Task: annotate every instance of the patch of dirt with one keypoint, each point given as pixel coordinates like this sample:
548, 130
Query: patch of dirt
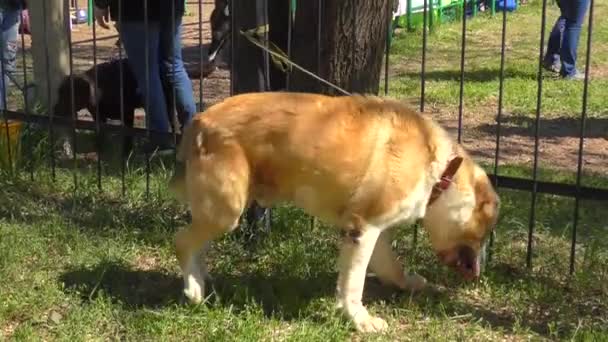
558, 139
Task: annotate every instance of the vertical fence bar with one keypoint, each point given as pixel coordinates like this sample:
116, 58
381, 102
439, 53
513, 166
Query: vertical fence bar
431, 12
581, 142
501, 93
389, 25
319, 45
424, 47
123, 161
233, 36
49, 97
147, 95
4, 74
73, 112
98, 136
462, 56
174, 115
290, 23
26, 104
313, 219
408, 16
266, 68
201, 54
536, 136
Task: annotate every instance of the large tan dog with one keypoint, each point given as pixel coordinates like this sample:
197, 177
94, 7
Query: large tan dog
361, 164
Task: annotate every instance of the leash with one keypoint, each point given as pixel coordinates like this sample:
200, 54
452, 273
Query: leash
281, 59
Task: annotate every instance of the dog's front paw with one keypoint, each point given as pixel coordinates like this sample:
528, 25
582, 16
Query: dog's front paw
194, 294
371, 324
414, 282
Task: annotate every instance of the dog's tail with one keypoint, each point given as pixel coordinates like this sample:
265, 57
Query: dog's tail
191, 145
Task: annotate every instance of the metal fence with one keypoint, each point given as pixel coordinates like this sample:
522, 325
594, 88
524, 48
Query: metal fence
199, 27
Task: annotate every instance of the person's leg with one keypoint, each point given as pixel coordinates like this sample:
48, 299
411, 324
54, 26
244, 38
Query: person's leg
132, 36
9, 25
174, 73
552, 60
574, 12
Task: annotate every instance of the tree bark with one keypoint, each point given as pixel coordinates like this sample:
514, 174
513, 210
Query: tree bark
49, 47
353, 42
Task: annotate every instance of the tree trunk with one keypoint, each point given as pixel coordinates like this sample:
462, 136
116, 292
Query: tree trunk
353, 42
49, 47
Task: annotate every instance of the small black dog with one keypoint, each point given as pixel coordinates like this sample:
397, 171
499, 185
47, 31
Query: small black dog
103, 102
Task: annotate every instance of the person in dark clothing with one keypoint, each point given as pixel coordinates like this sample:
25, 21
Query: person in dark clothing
153, 19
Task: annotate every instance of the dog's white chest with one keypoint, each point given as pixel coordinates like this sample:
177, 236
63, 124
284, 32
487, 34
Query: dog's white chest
409, 209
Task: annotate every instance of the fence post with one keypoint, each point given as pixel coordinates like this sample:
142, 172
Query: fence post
49, 46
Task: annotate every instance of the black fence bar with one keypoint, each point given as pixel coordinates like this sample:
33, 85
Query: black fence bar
389, 32
147, 95
26, 103
581, 143
501, 93
73, 111
49, 96
123, 161
539, 102
290, 23
233, 38
319, 26
201, 55
462, 57
98, 140
424, 48
3, 72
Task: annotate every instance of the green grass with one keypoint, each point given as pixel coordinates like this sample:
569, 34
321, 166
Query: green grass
79, 264
561, 98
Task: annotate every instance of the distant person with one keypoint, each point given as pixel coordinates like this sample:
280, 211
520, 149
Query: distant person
165, 63
563, 40
10, 14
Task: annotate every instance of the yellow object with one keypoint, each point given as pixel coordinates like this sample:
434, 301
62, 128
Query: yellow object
11, 140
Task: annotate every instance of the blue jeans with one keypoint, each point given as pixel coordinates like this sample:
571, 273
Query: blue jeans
9, 25
165, 64
564, 38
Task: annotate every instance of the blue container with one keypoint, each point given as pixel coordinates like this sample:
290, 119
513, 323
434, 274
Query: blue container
511, 5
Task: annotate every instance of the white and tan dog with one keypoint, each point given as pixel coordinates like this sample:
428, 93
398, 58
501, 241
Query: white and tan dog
361, 164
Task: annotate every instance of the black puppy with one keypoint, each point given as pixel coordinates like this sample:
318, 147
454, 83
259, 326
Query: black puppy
103, 102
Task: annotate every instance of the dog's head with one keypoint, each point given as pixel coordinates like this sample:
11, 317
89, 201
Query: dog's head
82, 96
462, 219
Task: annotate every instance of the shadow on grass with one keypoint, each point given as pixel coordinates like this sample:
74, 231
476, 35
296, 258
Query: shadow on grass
479, 75
288, 297
549, 128
88, 210
285, 296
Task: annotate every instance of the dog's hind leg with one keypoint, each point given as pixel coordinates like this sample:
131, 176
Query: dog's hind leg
388, 269
191, 246
217, 189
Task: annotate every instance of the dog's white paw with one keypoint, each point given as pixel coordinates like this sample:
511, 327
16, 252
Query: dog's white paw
194, 289
194, 294
414, 282
371, 324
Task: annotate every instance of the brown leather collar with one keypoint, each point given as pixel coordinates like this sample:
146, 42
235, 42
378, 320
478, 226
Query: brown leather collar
446, 179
